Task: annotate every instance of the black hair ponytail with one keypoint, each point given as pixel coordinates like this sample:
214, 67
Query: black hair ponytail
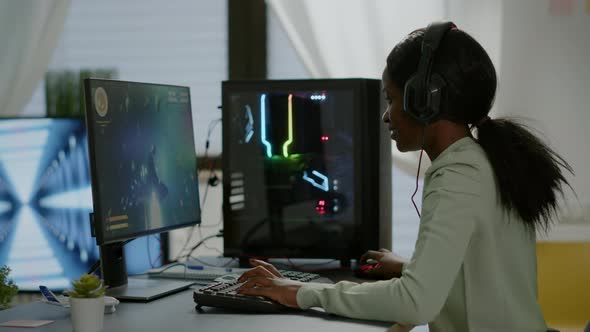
529, 173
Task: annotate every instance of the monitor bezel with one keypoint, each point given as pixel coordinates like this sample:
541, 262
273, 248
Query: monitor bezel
367, 94
97, 220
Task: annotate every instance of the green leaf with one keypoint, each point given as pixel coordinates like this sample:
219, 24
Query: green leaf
7, 288
88, 286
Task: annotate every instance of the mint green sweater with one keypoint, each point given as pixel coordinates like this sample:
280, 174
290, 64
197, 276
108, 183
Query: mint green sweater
474, 265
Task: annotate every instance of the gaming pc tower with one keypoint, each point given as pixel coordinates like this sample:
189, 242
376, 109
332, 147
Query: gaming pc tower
306, 169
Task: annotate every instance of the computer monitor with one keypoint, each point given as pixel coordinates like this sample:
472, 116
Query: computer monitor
44, 197
306, 169
44, 203
144, 172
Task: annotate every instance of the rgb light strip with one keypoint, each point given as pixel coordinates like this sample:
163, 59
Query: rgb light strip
323, 186
263, 126
290, 125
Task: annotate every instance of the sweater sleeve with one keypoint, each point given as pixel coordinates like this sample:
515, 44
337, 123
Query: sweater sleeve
450, 204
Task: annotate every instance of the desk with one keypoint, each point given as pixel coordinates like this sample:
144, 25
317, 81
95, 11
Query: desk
177, 313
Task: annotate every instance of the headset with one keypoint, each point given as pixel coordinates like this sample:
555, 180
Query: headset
424, 91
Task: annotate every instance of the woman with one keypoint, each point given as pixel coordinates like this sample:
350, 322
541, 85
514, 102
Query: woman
474, 265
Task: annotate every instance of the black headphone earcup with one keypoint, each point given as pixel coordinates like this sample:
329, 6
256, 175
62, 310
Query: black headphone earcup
434, 95
424, 91
412, 105
425, 110
410, 102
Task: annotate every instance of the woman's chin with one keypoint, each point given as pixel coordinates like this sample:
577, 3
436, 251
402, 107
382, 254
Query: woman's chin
400, 147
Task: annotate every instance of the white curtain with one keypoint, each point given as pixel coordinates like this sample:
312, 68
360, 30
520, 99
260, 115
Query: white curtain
29, 31
352, 38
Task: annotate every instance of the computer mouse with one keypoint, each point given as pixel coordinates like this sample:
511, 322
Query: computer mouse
364, 271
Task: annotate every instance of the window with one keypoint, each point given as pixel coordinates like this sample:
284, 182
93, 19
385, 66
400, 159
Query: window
181, 42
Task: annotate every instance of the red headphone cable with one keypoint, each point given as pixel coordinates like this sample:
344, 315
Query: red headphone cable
416, 190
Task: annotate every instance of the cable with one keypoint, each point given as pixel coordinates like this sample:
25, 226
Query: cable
212, 125
219, 221
201, 236
220, 234
416, 190
418, 173
169, 267
148, 252
152, 263
94, 267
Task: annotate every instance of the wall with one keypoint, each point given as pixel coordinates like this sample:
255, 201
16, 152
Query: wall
545, 76
482, 19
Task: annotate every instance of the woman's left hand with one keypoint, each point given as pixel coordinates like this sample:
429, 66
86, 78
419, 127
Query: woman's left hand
265, 280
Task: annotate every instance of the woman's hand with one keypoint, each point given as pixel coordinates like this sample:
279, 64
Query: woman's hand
390, 264
265, 280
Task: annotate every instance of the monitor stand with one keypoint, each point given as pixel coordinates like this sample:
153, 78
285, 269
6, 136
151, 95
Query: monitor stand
145, 290
114, 274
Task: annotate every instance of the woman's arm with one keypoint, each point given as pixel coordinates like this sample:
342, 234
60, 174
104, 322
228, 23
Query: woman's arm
450, 207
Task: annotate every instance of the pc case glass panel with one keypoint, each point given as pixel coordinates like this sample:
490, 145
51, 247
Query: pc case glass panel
291, 171
145, 178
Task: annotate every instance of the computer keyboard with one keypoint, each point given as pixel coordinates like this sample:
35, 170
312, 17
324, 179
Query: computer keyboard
223, 294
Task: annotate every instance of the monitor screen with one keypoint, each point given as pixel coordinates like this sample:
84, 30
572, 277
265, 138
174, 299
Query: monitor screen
45, 199
293, 159
143, 160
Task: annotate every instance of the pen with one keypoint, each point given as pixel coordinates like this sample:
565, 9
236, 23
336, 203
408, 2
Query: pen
195, 267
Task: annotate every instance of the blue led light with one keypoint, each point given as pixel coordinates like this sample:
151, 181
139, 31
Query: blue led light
263, 125
323, 186
250, 125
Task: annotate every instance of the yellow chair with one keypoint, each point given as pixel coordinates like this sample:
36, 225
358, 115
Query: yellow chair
564, 287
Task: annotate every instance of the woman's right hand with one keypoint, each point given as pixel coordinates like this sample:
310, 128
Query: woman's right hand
390, 264
265, 280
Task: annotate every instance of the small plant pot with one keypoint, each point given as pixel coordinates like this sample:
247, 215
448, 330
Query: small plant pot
87, 314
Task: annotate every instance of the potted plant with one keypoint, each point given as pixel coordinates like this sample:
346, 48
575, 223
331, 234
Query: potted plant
87, 303
7, 288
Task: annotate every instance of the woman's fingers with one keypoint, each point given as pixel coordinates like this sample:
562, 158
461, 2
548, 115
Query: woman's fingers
371, 254
257, 291
283, 291
258, 271
256, 282
267, 266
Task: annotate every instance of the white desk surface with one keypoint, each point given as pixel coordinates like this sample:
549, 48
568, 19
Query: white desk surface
177, 313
